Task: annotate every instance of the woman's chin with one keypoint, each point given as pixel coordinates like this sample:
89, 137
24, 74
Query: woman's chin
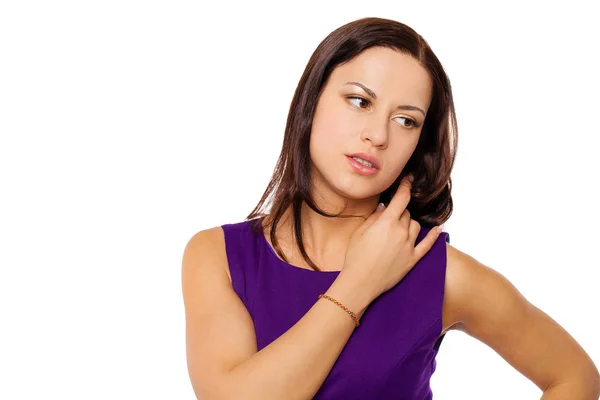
357, 193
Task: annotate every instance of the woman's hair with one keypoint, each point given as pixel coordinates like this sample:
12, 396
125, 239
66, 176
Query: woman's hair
431, 162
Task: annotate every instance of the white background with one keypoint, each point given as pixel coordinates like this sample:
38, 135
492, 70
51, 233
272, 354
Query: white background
128, 126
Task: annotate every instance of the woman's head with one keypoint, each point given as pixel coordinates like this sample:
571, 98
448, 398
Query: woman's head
325, 124
376, 104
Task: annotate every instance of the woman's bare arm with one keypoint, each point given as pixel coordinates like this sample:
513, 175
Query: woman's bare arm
491, 309
223, 361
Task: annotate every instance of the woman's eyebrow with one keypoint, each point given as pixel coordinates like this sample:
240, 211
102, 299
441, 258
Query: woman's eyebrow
373, 95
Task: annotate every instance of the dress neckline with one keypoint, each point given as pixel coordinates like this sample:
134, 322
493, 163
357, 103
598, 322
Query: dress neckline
274, 255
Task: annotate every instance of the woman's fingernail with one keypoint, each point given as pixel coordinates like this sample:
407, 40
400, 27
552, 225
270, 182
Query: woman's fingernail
379, 207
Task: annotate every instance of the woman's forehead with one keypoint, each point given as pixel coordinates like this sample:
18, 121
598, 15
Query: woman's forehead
386, 73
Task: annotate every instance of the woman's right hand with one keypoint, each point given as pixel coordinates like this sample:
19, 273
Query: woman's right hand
382, 250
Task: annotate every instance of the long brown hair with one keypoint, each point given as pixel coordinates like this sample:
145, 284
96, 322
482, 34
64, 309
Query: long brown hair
430, 163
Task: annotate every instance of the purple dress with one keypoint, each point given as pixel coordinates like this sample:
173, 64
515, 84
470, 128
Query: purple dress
391, 355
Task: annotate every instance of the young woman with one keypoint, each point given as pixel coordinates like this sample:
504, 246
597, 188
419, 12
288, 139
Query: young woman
330, 296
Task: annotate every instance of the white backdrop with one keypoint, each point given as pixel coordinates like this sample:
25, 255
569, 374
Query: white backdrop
128, 126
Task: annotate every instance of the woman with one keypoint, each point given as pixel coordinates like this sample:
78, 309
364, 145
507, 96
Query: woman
345, 289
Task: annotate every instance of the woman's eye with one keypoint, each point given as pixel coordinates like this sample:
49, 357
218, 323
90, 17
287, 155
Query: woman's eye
359, 100
411, 123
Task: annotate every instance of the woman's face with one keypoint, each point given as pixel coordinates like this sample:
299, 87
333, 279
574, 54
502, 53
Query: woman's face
345, 124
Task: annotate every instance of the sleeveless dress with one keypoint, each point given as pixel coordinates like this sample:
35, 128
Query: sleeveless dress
391, 355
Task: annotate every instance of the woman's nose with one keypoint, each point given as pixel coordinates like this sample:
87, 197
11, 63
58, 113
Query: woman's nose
377, 134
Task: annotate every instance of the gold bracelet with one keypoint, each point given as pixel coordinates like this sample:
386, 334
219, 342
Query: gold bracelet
354, 317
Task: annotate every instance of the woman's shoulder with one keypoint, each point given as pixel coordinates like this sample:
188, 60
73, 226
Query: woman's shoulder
207, 237
214, 236
207, 248
472, 288
210, 243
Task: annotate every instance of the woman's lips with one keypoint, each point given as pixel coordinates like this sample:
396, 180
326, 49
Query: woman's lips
361, 168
